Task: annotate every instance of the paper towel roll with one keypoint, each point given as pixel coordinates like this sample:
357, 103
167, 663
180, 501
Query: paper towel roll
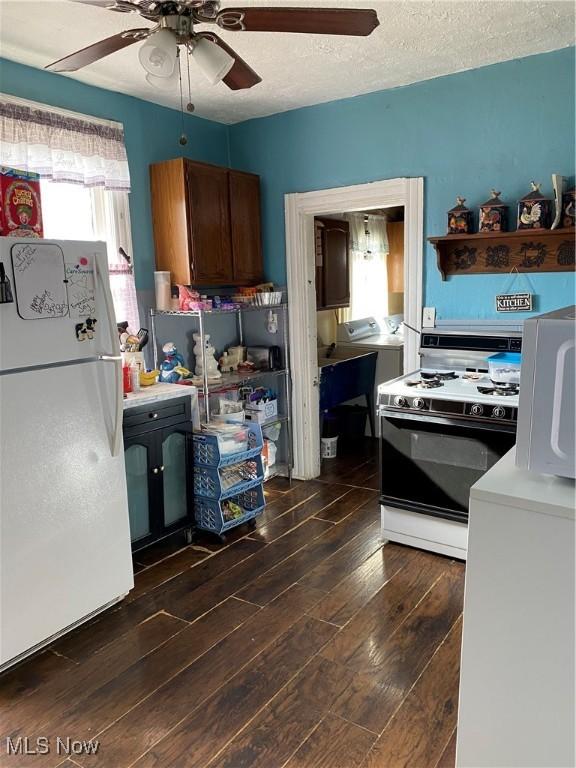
163, 290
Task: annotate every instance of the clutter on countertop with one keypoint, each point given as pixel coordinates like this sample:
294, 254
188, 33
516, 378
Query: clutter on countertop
159, 392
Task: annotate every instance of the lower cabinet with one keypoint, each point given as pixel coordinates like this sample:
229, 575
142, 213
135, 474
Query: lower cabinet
158, 463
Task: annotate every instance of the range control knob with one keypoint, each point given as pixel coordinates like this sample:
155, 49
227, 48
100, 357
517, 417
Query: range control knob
418, 403
477, 409
498, 412
399, 401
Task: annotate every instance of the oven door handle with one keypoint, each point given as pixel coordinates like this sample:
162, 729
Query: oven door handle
450, 422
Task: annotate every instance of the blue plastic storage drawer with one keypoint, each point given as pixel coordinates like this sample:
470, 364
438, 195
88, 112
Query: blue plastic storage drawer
208, 453
218, 516
228, 480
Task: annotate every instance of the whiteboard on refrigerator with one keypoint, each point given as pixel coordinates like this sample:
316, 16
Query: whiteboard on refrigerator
39, 280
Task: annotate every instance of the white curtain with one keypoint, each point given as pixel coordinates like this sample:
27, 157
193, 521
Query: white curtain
368, 268
62, 148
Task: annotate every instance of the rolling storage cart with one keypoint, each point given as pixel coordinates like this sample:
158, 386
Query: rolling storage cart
246, 332
228, 483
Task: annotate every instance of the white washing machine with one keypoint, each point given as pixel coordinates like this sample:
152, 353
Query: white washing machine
367, 335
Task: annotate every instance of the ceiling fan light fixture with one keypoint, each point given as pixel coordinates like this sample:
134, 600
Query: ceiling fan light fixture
158, 54
214, 62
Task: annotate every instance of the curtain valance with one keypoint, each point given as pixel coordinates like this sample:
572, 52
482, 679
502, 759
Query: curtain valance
63, 148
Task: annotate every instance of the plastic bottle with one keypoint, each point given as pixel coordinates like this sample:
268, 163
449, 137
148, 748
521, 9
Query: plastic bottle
126, 379
135, 375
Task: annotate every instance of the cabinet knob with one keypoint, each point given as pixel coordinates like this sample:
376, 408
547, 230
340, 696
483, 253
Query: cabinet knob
153, 415
162, 468
155, 470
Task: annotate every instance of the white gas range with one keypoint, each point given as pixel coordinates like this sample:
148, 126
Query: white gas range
442, 427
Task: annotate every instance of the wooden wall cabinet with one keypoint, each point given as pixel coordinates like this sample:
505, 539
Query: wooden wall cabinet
206, 221
332, 263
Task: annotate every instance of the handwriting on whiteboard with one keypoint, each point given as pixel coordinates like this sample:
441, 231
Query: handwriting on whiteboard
81, 290
44, 304
24, 257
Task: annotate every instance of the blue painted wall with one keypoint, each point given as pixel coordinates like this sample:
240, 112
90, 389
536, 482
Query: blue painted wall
151, 134
499, 126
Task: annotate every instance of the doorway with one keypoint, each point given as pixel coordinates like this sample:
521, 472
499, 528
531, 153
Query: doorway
301, 209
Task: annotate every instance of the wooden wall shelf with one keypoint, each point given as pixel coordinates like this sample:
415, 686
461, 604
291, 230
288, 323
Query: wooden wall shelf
528, 250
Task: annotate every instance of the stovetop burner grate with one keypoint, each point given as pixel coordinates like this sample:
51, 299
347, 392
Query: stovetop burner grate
431, 383
500, 389
440, 375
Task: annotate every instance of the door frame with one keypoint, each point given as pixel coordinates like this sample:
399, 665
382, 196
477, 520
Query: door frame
300, 209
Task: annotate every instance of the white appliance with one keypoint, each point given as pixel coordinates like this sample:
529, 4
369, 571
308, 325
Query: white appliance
517, 702
357, 337
64, 533
547, 413
441, 428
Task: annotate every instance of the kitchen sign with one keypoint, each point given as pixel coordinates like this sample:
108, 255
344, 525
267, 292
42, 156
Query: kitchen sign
514, 302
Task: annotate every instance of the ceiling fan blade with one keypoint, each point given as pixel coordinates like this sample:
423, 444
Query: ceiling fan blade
112, 5
323, 21
97, 51
148, 9
241, 76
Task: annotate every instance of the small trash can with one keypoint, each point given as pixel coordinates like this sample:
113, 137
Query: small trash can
329, 439
329, 447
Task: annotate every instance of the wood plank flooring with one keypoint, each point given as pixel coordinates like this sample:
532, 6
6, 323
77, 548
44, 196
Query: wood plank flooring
302, 643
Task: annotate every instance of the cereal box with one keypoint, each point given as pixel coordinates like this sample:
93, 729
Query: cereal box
20, 204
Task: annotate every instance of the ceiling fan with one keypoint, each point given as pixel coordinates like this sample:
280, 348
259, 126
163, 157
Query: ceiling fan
175, 25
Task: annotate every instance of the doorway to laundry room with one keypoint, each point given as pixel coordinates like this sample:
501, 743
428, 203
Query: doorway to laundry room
360, 279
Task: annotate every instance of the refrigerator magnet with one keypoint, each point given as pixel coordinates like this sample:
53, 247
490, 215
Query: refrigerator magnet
86, 330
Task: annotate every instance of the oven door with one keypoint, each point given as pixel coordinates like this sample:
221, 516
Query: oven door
428, 464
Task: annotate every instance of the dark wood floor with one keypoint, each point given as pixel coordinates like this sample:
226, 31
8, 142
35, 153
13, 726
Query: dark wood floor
303, 644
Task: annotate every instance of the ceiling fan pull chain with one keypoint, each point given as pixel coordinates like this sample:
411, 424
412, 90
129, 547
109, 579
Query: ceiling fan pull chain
189, 106
183, 138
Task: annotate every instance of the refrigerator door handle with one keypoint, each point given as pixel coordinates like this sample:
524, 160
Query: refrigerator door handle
116, 437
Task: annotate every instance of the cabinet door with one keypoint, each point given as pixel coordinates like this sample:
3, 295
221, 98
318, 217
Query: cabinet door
336, 266
245, 226
170, 219
175, 471
140, 459
395, 230
209, 224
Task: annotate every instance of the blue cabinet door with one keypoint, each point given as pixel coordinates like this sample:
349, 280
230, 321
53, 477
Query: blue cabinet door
139, 457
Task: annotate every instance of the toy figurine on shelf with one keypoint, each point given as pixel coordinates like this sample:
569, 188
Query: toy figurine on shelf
172, 369
459, 218
231, 359
209, 354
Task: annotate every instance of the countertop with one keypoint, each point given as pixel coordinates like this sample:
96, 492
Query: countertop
157, 392
507, 484
378, 340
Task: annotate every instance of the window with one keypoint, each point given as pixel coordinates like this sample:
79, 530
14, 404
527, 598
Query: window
74, 212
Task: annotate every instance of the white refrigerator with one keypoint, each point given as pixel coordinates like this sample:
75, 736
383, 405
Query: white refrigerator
64, 532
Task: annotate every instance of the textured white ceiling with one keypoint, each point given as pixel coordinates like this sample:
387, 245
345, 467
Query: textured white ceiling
416, 40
